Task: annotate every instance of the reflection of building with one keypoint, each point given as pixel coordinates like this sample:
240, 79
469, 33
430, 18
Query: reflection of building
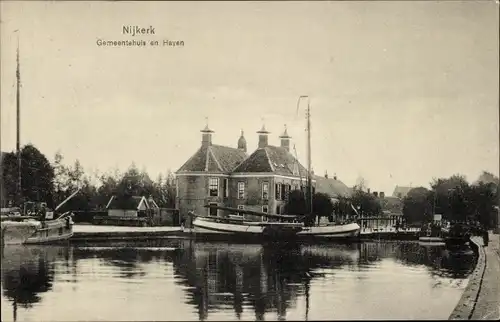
270, 280
227, 176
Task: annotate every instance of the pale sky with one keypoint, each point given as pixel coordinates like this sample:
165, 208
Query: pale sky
401, 92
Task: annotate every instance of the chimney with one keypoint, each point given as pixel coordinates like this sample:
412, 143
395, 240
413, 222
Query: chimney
375, 193
382, 194
326, 174
206, 137
263, 135
242, 143
285, 140
368, 190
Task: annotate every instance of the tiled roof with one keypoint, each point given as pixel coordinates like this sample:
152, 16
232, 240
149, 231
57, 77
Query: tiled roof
332, 187
126, 203
214, 158
402, 190
272, 159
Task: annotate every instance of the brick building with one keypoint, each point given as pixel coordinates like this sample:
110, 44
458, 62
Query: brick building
229, 177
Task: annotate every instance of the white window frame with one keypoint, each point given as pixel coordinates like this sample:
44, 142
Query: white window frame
265, 184
226, 188
241, 189
210, 181
278, 191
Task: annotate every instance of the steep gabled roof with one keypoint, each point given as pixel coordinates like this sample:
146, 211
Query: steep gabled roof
126, 203
401, 190
333, 188
214, 158
272, 159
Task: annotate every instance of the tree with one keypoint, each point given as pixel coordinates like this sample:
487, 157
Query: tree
418, 205
37, 176
451, 197
343, 208
482, 199
366, 202
297, 205
322, 205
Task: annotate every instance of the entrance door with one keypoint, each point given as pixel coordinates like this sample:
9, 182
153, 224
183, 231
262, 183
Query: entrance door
213, 211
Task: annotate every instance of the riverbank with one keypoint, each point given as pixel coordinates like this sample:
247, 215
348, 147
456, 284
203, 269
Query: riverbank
481, 298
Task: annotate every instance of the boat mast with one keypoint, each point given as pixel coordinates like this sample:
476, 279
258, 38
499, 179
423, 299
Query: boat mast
309, 179
18, 133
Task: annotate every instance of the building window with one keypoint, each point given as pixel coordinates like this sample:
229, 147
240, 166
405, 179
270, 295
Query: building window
278, 191
278, 210
213, 211
288, 188
241, 190
265, 190
283, 191
313, 190
213, 186
226, 187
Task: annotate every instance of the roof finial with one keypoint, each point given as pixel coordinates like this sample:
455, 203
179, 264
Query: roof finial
263, 129
207, 129
285, 134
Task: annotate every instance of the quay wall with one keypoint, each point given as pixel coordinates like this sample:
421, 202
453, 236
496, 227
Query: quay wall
465, 307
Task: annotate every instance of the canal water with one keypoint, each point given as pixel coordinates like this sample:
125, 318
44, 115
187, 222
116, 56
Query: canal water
184, 280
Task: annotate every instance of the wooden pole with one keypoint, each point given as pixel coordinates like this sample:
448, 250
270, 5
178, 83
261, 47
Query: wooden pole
18, 129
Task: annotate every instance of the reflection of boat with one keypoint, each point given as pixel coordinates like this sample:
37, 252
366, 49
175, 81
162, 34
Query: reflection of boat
336, 252
431, 243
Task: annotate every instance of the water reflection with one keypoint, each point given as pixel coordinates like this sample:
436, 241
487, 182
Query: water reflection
215, 277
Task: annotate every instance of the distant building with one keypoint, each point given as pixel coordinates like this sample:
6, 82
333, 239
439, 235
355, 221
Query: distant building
332, 187
228, 176
401, 192
133, 206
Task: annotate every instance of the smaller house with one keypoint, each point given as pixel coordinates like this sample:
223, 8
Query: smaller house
133, 206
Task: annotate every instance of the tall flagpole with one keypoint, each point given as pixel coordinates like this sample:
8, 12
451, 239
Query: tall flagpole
309, 174
18, 134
